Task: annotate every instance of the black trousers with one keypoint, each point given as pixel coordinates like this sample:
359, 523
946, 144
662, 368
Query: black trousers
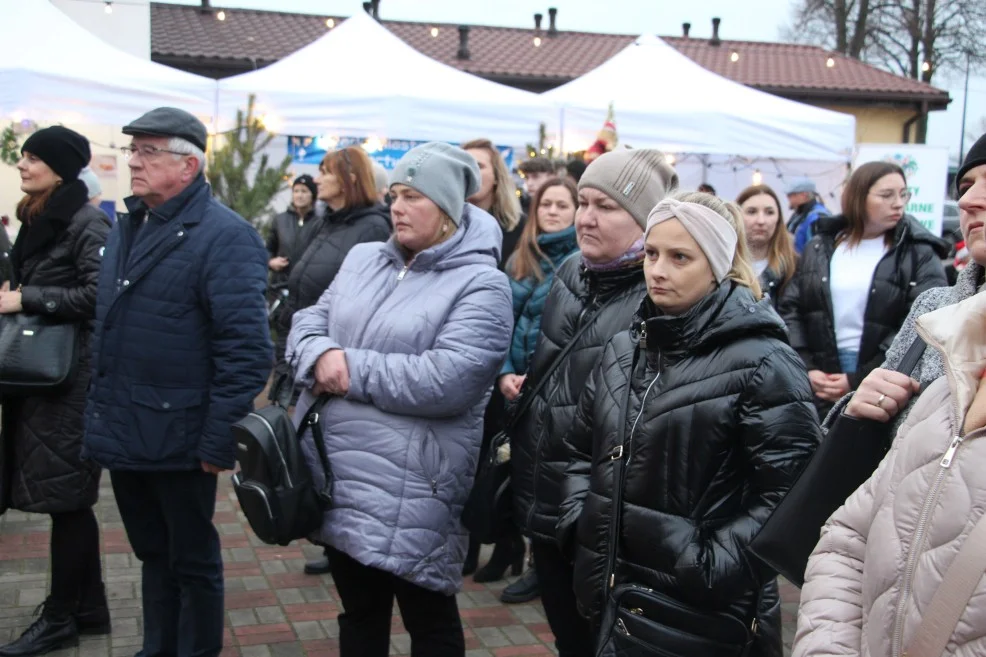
573, 634
168, 518
76, 571
367, 594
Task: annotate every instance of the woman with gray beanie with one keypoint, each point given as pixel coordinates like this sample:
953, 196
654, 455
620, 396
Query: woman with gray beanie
407, 340
591, 299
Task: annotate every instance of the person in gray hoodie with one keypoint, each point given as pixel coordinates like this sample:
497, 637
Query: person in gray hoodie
407, 340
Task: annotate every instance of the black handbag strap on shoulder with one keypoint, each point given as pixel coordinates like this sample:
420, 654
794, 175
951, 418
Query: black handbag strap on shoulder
617, 455
528, 397
913, 356
313, 421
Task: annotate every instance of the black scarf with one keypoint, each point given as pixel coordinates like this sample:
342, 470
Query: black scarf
42, 231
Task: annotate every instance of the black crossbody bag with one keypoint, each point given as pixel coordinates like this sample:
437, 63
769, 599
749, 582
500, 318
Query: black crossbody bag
641, 622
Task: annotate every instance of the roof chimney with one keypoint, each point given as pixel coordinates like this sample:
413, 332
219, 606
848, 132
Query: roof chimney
552, 16
368, 8
685, 28
537, 22
206, 8
715, 41
375, 7
463, 42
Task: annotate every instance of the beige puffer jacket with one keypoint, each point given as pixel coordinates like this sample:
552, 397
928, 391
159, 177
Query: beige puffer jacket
883, 554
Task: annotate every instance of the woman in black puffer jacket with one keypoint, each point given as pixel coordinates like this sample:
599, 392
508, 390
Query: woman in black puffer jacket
56, 260
716, 427
856, 281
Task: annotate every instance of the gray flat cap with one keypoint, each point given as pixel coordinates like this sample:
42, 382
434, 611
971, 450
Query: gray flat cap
169, 122
802, 185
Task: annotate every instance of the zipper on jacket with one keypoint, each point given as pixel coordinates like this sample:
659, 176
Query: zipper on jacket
617, 453
400, 276
920, 532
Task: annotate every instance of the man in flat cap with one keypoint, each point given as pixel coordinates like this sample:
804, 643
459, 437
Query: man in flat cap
181, 348
802, 197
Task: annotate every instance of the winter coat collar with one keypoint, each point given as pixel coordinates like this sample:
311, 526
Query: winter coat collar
477, 240
355, 213
559, 244
44, 229
723, 315
958, 332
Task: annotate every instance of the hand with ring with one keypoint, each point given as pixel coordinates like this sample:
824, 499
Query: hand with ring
881, 395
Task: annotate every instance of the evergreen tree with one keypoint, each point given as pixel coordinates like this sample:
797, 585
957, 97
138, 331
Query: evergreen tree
236, 180
10, 150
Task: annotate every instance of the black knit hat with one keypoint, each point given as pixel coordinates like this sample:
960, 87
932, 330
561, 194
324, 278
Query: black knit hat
975, 157
65, 151
309, 182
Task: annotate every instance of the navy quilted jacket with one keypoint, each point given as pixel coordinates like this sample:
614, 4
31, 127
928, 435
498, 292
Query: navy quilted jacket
181, 344
529, 296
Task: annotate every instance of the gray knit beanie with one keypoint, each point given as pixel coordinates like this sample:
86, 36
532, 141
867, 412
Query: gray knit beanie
636, 179
445, 174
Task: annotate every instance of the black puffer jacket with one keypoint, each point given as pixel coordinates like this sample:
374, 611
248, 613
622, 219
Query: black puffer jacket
719, 423
283, 239
911, 266
56, 260
772, 285
538, 454
320, 261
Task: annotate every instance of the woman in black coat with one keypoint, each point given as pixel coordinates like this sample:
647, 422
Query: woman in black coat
856, 281
708, 413
56, 260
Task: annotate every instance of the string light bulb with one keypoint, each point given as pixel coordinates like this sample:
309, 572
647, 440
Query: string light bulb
757, 177
330, 23
108, 7
221, 16
734, 57
830, 62
434, 32
670, 159
537, 42
926, 67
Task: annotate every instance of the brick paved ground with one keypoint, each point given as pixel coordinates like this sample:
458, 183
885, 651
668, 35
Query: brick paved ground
272, 608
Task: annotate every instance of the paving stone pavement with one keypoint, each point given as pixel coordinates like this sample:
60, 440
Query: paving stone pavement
272, 608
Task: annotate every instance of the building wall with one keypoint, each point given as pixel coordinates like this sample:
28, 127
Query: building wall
878, 125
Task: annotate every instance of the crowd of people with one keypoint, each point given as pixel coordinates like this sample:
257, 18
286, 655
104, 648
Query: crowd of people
679, 357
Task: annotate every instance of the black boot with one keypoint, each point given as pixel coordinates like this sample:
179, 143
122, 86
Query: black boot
524, 589
93, 616
54, 629
319, 566
472, 557
508, 553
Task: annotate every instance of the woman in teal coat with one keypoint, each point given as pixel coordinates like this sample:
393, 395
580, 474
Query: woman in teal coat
547, 240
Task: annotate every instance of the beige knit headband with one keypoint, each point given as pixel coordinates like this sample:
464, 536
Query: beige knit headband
713, 233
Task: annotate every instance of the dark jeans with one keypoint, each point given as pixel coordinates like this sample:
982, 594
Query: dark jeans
367, 594
76, 572
168, 518
573, 635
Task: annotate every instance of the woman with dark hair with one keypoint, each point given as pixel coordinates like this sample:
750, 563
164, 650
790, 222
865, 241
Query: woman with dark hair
497, 193
771, 246
56, 259
547, 240
353, 216
856, 281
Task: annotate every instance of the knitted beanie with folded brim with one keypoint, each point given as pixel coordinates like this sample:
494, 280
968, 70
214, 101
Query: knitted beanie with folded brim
636, 179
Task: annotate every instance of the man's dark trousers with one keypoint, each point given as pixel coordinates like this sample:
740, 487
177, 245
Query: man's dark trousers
168, 518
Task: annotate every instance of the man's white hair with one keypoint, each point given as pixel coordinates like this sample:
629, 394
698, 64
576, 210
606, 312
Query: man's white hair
185, 147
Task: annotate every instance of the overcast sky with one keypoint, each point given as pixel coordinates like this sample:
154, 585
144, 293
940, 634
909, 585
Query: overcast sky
662, 17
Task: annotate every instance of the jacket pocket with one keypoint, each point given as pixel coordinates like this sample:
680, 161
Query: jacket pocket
435, 467
161, 420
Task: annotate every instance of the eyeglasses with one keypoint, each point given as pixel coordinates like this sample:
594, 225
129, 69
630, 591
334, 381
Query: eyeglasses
889, 195
146, 151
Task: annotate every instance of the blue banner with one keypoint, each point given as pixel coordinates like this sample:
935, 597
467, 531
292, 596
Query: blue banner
311, 150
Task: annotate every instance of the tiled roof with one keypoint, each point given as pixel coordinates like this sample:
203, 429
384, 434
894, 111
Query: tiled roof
183, 33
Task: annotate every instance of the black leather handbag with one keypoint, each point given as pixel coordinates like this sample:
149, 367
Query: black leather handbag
847, 456
640, 622
37, 355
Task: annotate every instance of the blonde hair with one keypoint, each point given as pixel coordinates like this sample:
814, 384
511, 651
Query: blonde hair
506, 204
742, 271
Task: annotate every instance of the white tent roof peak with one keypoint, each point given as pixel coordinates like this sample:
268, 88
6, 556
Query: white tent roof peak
64, 73
359, 79
663, 99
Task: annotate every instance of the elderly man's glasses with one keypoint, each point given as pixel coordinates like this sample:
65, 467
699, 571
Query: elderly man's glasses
145, 151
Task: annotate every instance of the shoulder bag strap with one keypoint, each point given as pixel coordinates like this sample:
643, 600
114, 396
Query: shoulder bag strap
912, 357
528, 397
952, 596
313, 421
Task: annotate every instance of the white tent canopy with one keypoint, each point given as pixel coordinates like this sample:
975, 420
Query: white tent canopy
663, 99
380, 86
53, 70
